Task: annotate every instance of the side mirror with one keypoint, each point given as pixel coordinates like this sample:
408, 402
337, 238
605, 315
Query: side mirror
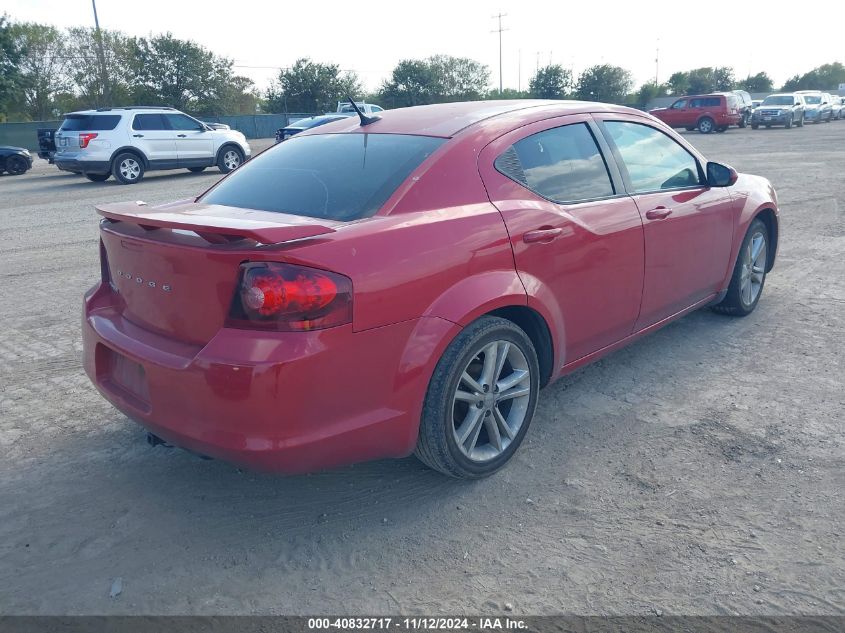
719, 175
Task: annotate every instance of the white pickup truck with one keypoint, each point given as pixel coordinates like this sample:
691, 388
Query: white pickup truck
345, 108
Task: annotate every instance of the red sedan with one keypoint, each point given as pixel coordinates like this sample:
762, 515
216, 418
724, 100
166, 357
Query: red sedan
380, 287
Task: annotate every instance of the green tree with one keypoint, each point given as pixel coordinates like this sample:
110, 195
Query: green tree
678, 83
43, 68
437, 79
240, 96
120, 65
761, 82
723, 78
508, 93
701, 81
10, 58
311, 87
551, 82
606, 83
180, 74
648, 92
824, 77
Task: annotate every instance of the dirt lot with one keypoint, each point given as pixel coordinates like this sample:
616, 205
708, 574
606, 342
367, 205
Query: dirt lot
699, 471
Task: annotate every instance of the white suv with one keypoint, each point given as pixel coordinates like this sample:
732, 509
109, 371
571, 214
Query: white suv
126, 142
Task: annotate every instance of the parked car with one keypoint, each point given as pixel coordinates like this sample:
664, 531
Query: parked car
15, 160
284, 133
783, 109
756, 103
345, 108
702, 112
46, 143
816, 106
128, 142
746, 106
836, 107
347, 296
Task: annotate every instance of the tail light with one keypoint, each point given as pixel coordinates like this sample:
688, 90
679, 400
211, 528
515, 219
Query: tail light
289, 298
86, 138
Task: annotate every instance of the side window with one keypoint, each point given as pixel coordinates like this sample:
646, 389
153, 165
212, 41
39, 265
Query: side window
148, 122
563, 164
181, 122
695, 103
715, 102
680, 103
653, 160
377, 109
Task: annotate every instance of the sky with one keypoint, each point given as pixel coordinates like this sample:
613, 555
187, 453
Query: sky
371, 37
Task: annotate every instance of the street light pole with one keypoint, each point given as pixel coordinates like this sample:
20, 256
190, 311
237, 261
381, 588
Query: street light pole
500, 15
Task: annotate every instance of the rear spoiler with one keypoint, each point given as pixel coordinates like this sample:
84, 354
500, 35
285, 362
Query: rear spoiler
216, 224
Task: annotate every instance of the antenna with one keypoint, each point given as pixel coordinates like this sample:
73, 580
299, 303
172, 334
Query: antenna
365, 119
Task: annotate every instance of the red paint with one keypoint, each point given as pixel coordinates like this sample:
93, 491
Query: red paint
687, 111
455, 241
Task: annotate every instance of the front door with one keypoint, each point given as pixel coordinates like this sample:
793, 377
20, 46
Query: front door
577, 239
194, 144
688, 225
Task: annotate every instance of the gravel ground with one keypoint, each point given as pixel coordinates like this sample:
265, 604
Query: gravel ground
698, 471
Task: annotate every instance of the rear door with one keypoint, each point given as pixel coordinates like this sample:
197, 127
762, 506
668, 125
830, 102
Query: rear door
577, 238
194, 144
151, 134
688, 226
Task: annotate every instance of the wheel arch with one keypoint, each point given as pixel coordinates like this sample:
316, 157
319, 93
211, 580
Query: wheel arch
768, 217
129, 149
223, 147
534, 325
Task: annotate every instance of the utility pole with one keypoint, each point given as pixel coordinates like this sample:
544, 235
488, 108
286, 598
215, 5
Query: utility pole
104, 77
500, 15
519, 74
656, 62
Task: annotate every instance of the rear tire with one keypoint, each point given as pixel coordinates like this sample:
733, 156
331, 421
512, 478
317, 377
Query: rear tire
229, 158
749, 275
706, 125
98, 177
743, 122
469, 427
128, 168
689, 128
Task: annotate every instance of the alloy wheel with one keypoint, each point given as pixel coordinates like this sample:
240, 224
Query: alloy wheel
231, 159
130, 169
753, 269
491, 401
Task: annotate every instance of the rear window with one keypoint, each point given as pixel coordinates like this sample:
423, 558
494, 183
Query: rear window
334, 176
90, 122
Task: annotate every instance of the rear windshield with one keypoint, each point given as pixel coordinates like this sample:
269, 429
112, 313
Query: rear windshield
90, 122
334, 176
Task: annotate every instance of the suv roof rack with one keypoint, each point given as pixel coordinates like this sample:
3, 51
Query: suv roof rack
135, 108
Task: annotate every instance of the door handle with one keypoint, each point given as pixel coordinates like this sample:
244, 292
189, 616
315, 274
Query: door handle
138, 135
543, 236
181, 135
659, 213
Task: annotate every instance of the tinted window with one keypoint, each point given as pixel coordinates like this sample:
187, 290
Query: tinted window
90, 122
705, 102
654, 161
182, 122
563, 164
334, 176
680, 103
149, 122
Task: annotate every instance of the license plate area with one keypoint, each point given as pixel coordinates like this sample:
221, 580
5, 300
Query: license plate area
123, 377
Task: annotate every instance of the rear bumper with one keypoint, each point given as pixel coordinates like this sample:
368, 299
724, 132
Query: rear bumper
82, 166
288, 402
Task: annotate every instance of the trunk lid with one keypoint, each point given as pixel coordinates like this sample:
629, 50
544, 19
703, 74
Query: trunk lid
175, 267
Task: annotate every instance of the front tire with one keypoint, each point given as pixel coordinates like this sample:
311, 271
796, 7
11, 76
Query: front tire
788, 124
128, 169
196, 170
229, 159
754, 126
706, 125
480, 400
16, 165
749, 274
800, 121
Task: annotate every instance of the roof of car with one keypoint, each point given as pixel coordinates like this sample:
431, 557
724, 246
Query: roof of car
125, 108
447, 119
